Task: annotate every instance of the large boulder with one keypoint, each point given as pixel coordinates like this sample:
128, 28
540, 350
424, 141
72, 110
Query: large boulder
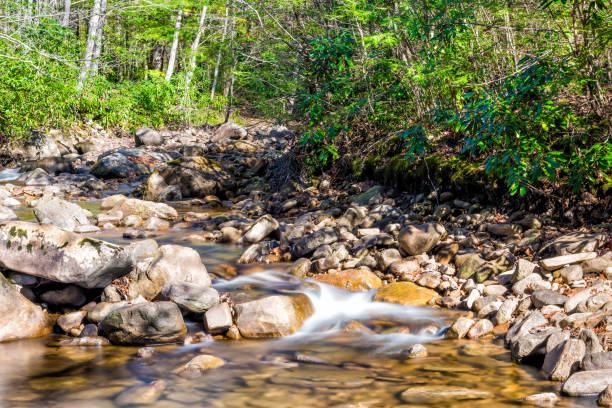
587, 382
197, 176
122, 163
418, 239
6, 214
38, 146
63, 256
229, 130
61, 213
273, 316
145, 209
172, 264
145, 323
20, 318
156, 189
145, 136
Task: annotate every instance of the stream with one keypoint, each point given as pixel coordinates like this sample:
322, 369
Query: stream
347, 354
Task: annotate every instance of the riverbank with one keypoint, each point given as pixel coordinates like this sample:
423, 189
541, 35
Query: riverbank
519, 277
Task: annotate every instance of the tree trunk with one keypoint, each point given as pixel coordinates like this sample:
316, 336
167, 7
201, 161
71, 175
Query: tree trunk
94, 21
216, 74
172, 58
66, 15
98, 43
194, 49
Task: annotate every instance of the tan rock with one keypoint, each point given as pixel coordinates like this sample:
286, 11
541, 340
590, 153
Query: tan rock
405, 293
351, 279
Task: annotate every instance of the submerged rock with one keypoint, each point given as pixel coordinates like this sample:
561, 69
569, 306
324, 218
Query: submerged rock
52, 253
441, 394
20, 318
405, 293
351, 279
273, 316
145, 323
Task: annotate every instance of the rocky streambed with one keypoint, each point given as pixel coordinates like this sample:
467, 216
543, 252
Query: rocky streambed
197, 268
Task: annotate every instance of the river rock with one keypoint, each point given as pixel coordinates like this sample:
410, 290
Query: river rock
541, 298
439, 395
103, 309
52, 253
351, 279
524, 326
6, 214
577, 242
192, 297
272, 316
117, 165
71, 321
61, 213
571, 273
523, 269
597, 361
416, 240
505, 311
197, 176
307, 245
70, 295
481, 328
145, 323
551, 264
145, 209
405, 293
218, 319
605, 398
546, 399
531, 343
587, 382
229, 130
574, 300
564, 359
144, 394
20, 318
201, 363
37, 177
460, 328
504, 230
263, 227
172, 264
145, 136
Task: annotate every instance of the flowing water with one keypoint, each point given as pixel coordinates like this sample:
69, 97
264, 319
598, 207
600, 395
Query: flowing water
348, 354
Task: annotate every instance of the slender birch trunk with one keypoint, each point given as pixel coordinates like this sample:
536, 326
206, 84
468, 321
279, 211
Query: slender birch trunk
194, 49
216, 74
66, 14
94, 21
175, 41
98, 44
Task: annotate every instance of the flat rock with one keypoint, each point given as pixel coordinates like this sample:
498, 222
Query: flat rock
587, 382
577, 242
597, 361
405, 293
541, 298
61, 213
551, 264
441, 394
52, 253
351, 279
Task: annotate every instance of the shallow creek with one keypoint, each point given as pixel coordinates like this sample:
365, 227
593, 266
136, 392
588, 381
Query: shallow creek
322, 365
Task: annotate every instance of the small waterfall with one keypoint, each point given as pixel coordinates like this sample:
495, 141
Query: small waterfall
9, 174
335, 307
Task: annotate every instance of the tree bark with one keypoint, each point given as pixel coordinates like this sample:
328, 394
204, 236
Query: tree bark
216, 74
98, 44
66, 14
194, 49
175, 41
94, 21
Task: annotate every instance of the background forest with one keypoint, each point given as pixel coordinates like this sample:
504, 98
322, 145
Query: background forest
518, 90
